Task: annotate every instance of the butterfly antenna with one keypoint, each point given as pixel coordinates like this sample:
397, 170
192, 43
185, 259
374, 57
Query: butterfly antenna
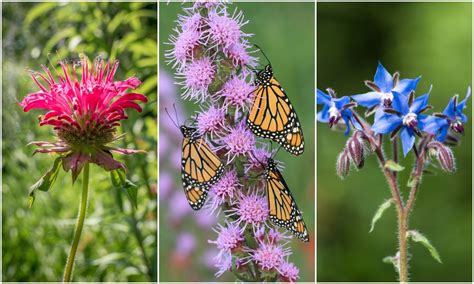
251, 68
174, 122
261, 50
176, 113
260, 162
276, 152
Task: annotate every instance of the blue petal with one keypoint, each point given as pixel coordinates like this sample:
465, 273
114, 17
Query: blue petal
348, 125
379, 112
323, 115
443, 132
387, 123
408, 140
405, 86
449, 110
356, 123
322, 98
400, 103
432, 124
420, 102
369, 99
342, 101
383, 79
462, 104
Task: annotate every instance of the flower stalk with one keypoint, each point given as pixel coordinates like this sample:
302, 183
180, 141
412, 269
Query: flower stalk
401, 116
79, 226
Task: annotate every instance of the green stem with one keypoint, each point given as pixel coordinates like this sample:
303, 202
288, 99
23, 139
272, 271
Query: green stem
79, 225
403, 246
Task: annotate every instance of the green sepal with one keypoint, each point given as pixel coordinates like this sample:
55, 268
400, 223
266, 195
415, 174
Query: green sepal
378, 214
391, 165
45, 182
419, 238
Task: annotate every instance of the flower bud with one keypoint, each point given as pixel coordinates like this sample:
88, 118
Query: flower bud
343, 164
355, 147
443, 154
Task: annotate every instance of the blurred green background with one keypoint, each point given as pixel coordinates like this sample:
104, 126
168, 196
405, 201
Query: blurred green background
429, 39
118, 243
285, 31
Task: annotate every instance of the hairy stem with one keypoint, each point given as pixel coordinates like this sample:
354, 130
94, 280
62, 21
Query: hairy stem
403, 246
395, 153
79, 225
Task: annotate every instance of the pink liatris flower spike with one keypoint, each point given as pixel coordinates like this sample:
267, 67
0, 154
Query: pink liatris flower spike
85, 112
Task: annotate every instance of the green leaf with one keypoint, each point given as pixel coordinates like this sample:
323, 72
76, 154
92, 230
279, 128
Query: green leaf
378, 214
411, 181
419, 238
239, 167
118, 177
120, 181
391, 165
132, 192
394, 260
45, 182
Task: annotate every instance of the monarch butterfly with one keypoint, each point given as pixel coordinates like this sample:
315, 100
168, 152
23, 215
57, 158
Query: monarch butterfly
283, 209
272, 115
200, 166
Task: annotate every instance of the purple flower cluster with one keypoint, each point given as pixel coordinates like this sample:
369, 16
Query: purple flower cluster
212, 58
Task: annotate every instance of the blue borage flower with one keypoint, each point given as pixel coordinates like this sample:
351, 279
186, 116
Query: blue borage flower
335, 108
452, 117
383, 88
405, 116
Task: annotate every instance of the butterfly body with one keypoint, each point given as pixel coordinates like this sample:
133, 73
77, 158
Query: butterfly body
272, 115
200, 167
283, 209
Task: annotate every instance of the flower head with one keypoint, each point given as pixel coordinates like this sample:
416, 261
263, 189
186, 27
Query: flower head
239, 55
237, 93
198, 76
225, 30
226, 188
405, 117
210, 121
451, 118
239, 141
85, 112
257, 160
269, 256
288, 272
383, 88
229, 237
334, 109
251, 209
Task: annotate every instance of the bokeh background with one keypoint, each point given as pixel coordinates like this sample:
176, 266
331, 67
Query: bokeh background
286, 32
429, 39
118, 243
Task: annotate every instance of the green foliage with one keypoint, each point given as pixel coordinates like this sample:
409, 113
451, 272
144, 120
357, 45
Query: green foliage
391, 165
119, 240
46, 181
419, 238
378, 214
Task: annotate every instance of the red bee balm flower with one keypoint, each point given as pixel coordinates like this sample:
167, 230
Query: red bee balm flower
85, 112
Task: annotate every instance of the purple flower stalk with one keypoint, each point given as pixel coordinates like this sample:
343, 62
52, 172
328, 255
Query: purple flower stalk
213, 64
